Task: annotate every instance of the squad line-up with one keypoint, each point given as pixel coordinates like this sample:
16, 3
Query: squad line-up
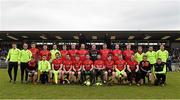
88, 67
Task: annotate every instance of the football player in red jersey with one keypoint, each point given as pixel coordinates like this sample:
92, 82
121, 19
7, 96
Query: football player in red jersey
145, 68
104, 52
109, 70
128, 53
32, 70
73, 51
133, 71
77, 65
34, 51
88, 70
82, 52
67, 69
99, 68
64, 52
120, 67
56, 68
45, 52
116, 52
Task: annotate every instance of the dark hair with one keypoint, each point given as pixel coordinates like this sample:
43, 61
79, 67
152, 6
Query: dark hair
159, 59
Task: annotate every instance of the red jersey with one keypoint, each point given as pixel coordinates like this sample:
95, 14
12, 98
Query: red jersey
82, 54
63, 54
120, 64
128, 54
145, 65
57, 64
99, 64
32, 65
67, 64
104, 53
77, 65
72, 53
109, 64
115, 53
35, 53
88, 64
132, 65
46, 53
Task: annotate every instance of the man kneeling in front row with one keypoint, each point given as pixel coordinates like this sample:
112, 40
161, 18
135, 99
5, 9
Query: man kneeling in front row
159, 70
32, 71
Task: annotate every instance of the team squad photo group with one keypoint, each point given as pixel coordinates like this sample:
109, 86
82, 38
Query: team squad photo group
88, 67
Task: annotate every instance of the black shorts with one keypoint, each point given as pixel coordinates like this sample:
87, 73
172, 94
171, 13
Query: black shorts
76, 73
143, 74
99, 72
109, 71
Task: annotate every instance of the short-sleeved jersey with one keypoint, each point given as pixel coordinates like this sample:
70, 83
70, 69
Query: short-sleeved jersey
72, 53
132, 65
93, 54
47, 53
88, 65
109, 64
67, 64
32, 65
63, 54
99, 63
120, 64
145, 65
82, 54
35, 53
57, 64
104, 53
77, 65
127, 54
115, 53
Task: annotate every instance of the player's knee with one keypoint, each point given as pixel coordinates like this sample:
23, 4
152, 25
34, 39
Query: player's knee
35, 73
105, 73
79, 73
124, 74
29, 74
62, 72
113, 74
72, 73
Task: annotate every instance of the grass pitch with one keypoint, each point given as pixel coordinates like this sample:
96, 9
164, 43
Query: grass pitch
28, 91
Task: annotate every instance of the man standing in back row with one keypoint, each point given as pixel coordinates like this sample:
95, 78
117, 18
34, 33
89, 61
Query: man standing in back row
94, 52
163, 54
82, 52
53, 52
104, 52
34, 51
139, 54
116, 52
72, 52
128, 53
45, 52
151, 56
